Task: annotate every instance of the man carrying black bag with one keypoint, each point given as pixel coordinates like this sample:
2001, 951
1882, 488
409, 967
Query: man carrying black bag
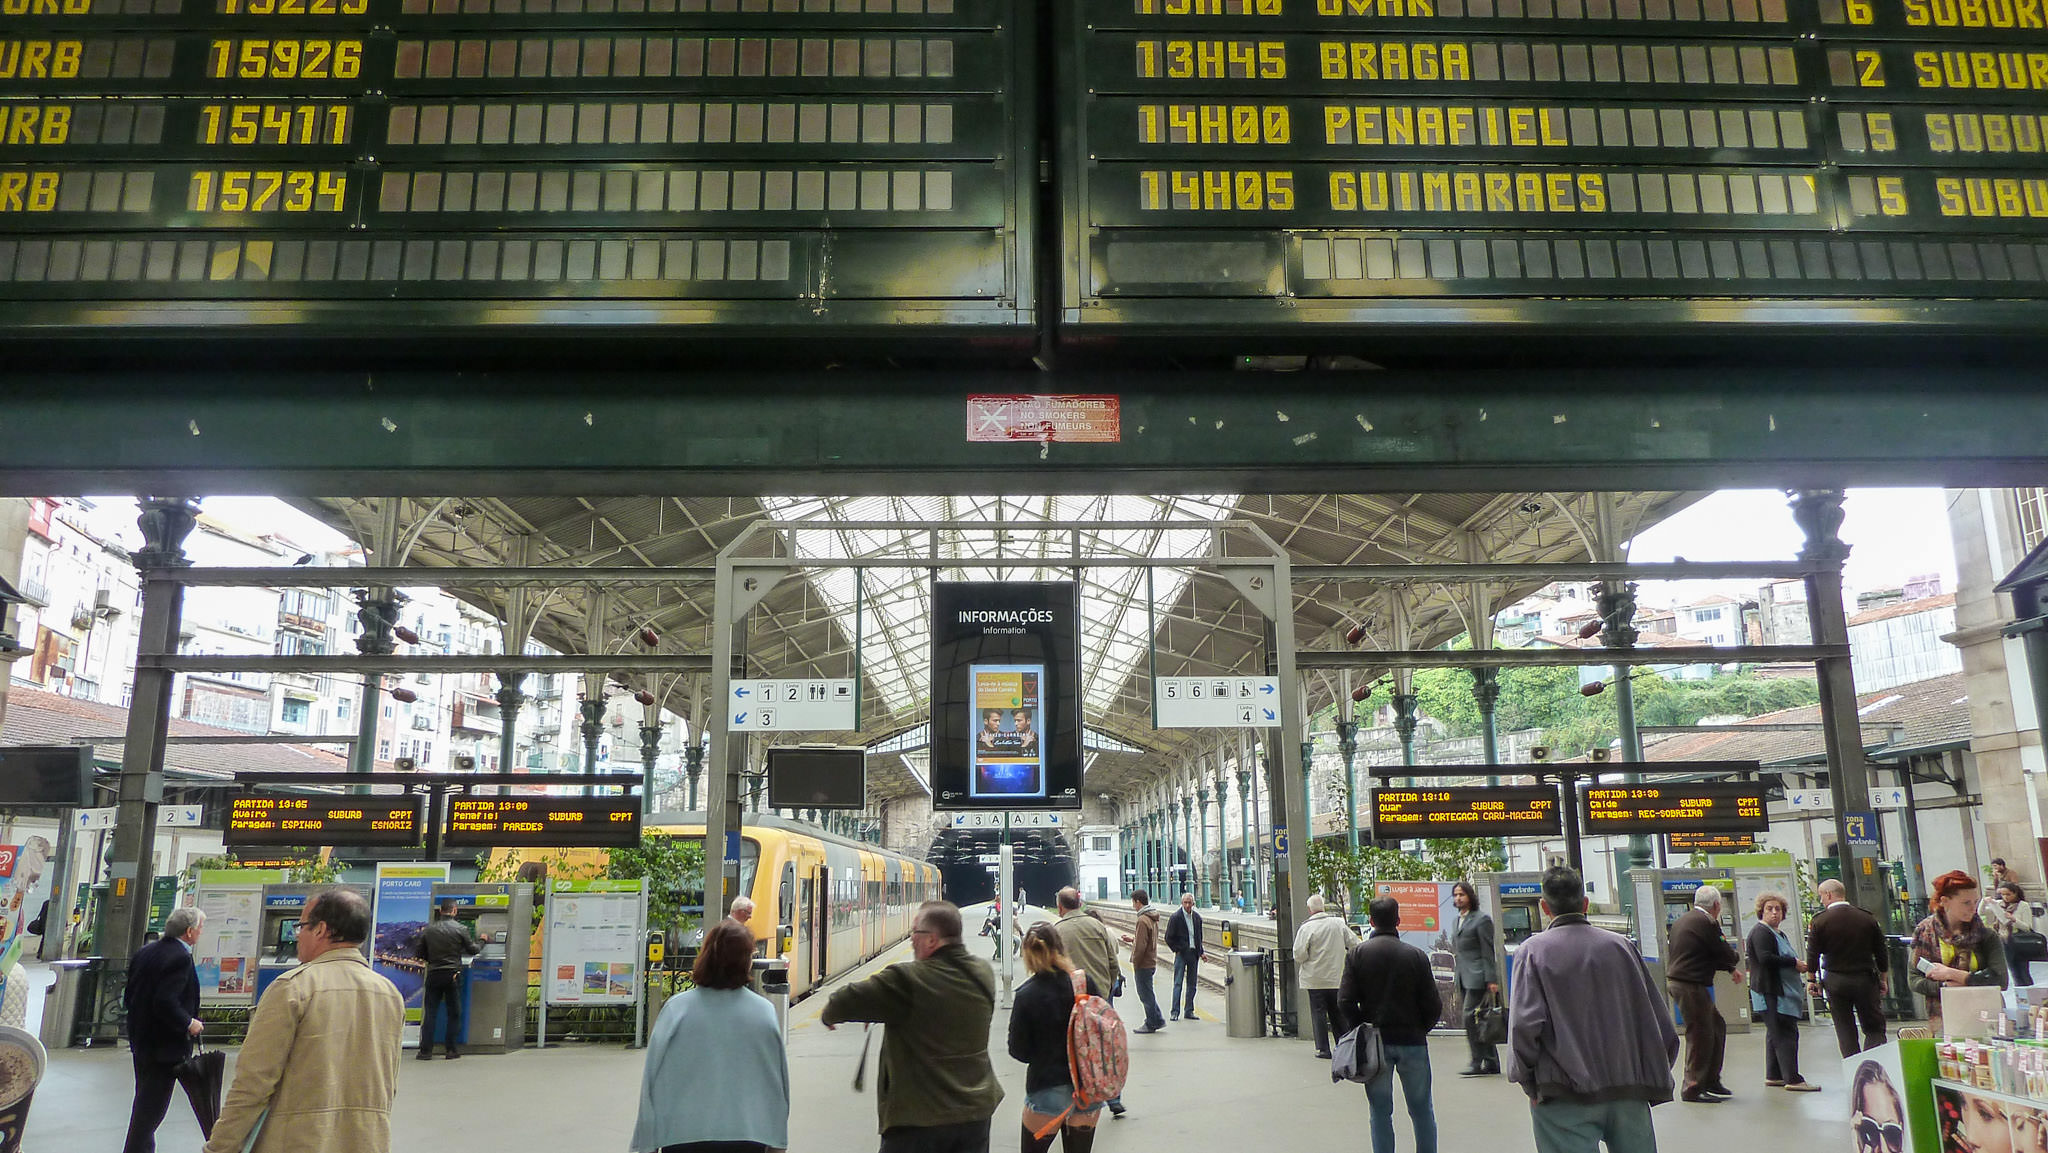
162, 1000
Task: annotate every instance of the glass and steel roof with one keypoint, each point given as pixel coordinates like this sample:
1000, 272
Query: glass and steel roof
831, 620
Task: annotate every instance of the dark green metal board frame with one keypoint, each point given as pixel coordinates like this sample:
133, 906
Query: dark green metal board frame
1233, 169
377, 168
859, 432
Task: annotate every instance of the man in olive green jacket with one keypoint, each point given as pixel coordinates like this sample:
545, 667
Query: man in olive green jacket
936, 1091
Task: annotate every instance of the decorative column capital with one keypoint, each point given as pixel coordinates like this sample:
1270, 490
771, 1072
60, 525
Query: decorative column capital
165, 522
1617, 606
1486, 688
1818, 512
1404, 715
377, 611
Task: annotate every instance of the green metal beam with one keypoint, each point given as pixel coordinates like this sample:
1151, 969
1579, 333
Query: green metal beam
854, 432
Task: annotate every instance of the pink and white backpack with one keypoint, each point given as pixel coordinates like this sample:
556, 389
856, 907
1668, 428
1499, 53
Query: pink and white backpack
1098, 1052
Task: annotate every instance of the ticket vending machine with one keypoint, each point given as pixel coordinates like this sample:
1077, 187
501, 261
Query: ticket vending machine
1664, 895
1514, 901
277, 937
493, 993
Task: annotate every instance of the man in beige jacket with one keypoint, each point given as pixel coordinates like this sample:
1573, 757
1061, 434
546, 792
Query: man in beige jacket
320, 1067
1320, 948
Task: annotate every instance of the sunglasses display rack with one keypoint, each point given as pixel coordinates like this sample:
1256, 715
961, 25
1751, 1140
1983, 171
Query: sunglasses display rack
2000, 1065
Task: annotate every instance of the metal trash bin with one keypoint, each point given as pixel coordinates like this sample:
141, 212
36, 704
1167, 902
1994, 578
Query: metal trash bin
771, 979
1244, 1001
60, 1004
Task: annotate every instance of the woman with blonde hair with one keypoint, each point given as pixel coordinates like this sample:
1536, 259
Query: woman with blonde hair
1039, 1017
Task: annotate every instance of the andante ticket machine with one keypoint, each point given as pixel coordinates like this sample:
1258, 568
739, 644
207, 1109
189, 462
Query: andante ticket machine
278, 937
500, 917
1664, 895
1514, 901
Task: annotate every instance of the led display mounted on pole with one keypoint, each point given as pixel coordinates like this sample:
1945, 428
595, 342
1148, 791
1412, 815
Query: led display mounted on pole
543, 822
1503, 811
392, 822
1692, 807
1006, 688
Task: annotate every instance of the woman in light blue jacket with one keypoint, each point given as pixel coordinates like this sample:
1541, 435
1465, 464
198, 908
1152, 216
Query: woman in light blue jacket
717, 1078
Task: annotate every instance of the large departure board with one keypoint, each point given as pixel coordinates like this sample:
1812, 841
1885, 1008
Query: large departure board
489, 163
1501, 811
1352, 162
1694, 807
323, 821
543, 822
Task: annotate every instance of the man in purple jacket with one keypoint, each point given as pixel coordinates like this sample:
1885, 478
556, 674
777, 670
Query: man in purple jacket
1591, 1042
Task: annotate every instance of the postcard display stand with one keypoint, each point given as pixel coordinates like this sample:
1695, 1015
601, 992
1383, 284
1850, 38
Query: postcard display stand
590, 950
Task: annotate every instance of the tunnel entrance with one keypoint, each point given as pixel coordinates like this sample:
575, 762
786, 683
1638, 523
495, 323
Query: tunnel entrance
967, 860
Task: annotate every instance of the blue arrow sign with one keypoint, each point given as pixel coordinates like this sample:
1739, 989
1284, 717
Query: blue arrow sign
1268, 712
1269, 690
742, 691
739, 718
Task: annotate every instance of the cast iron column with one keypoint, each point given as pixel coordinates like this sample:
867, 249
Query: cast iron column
1201, 886
592, 712
510, 698
1246, 889
1308, 794
1347, 744
650, 748
1404, 726
1225, 882
1187, 834
1486, 694
1819, 513
377, 612
693, 764
1617, 605
165, 523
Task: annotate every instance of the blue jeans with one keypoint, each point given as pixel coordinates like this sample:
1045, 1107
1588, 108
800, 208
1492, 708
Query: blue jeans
1412, 1063
1147, 998
1184, 968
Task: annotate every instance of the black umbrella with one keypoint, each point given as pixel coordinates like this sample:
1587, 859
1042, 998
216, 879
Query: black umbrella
205, 1077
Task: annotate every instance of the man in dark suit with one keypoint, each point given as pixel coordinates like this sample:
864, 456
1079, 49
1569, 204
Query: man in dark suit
162, 999
1184, 941
1696, 952
1848, 956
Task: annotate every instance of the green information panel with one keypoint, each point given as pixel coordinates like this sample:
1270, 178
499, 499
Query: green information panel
1270, 163
495, 164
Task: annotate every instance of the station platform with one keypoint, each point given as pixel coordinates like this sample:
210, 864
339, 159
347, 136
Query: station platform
1191, 1088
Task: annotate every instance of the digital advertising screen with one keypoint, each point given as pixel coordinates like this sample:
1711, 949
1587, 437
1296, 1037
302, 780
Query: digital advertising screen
1006, 709
1009, 740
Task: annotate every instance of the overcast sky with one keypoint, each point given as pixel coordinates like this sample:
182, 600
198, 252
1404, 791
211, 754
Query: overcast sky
1893, 534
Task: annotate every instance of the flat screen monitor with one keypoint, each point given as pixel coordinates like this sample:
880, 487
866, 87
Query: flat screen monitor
46, 775
816, 777
1009, 731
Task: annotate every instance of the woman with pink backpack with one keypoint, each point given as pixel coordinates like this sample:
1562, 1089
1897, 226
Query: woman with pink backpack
1043, 1036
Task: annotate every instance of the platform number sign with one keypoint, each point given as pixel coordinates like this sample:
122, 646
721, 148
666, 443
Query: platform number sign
1217, 702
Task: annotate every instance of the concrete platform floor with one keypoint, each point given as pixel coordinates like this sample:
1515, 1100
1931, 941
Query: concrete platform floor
1191, 1089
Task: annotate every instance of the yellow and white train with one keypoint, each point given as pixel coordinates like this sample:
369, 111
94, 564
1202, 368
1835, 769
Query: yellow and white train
825, 902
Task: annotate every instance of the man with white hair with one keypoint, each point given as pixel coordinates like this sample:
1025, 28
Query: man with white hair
162, 999
1697, 951
742, 909
1320, 947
